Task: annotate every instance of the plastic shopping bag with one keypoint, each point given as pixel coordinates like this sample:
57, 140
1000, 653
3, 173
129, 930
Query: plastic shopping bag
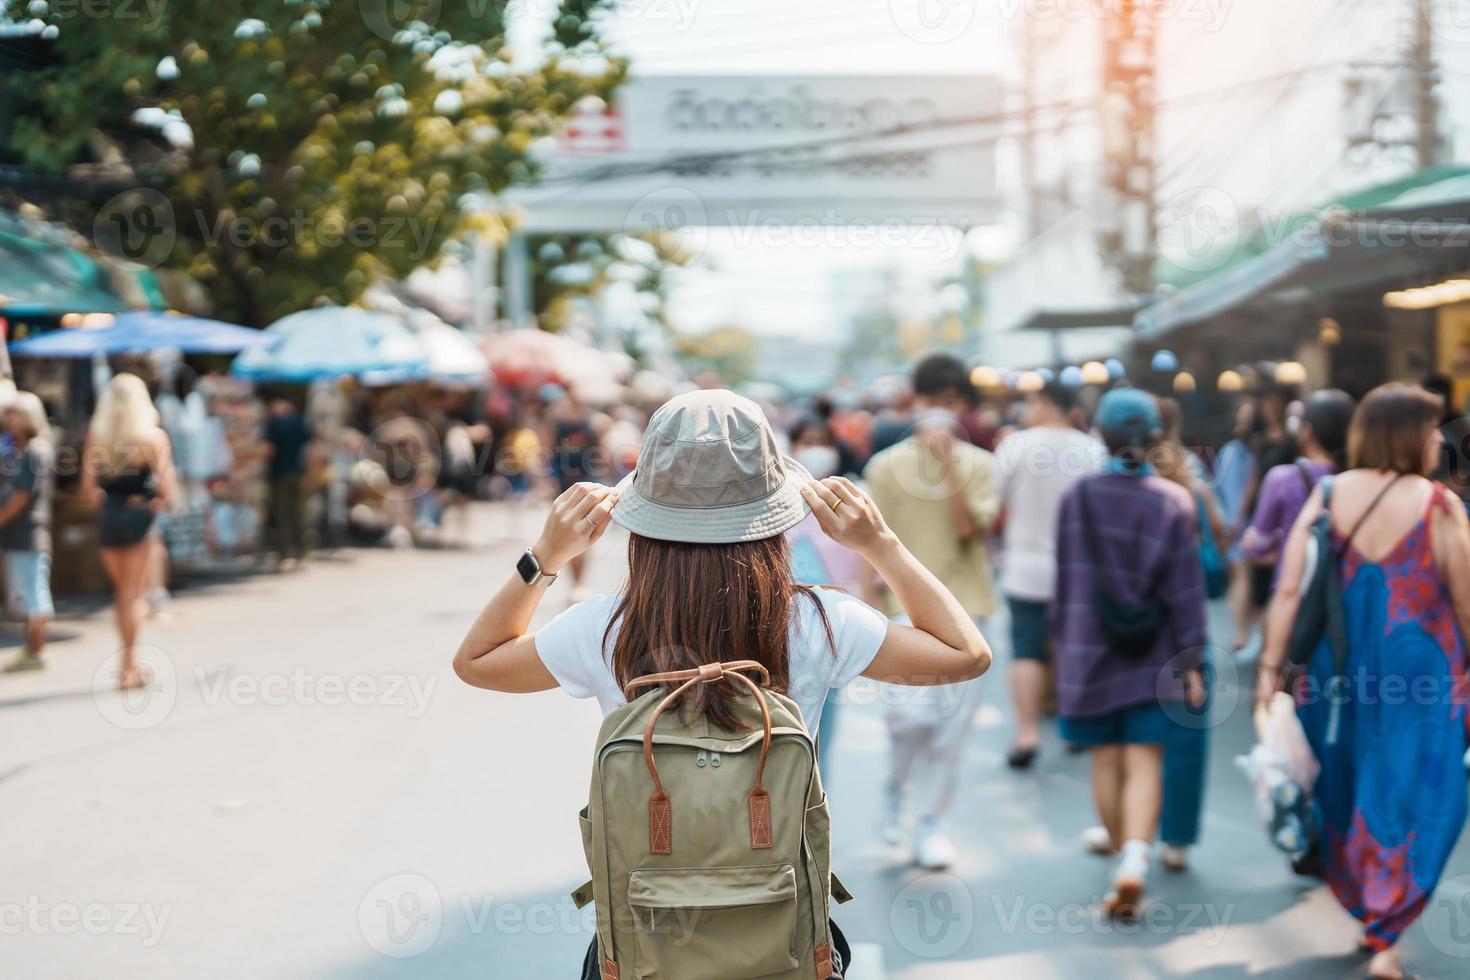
1283, 771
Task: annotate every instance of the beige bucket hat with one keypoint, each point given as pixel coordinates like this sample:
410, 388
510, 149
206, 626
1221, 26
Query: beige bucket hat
709, 472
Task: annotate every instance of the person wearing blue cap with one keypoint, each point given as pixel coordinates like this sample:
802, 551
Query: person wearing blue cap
1129, 628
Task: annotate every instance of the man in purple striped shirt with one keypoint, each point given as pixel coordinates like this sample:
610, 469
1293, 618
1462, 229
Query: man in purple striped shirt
1129, 619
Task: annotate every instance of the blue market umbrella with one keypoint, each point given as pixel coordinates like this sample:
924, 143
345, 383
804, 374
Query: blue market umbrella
143, 330
332, 341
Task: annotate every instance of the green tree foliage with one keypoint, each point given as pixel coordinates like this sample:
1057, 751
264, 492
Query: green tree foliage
318, 144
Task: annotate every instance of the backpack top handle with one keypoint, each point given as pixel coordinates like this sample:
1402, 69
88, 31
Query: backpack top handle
708, 673
660, 811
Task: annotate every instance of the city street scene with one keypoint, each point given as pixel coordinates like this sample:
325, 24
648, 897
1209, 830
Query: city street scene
698, 490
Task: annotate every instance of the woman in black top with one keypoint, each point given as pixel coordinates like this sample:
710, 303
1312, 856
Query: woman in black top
127, 468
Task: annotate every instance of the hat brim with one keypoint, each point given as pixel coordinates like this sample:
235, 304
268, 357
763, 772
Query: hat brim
767, 517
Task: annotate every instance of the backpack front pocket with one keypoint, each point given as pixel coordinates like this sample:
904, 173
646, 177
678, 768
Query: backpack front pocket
713, 923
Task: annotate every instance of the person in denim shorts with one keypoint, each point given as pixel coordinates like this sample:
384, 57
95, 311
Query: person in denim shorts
25, 522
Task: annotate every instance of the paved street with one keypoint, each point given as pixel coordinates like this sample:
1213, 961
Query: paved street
310, 793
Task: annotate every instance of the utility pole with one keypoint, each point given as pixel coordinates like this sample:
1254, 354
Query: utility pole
1028, 133
1129, 231
1424, 77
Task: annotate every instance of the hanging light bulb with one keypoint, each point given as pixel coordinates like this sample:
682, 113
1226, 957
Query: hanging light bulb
1071, 376
1329, 331
1115, 368
1030, 381
1095, 373
1230, 381
985, 376
1164, 360
1290, 373
1183, 382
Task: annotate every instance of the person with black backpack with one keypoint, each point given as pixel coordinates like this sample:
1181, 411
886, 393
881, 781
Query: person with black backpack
1130, 629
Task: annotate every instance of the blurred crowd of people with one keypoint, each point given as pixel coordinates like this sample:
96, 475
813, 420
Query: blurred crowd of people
1108, 535
1080, 509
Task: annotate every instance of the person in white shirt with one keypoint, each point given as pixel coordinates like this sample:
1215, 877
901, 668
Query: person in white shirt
1037, 464
710, 579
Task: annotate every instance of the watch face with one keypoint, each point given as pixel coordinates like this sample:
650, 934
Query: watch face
529, 568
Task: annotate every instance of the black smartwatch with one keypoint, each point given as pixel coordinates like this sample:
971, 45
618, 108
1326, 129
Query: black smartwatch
531, 572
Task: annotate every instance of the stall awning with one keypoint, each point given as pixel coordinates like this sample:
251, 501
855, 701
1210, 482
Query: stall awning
44, 278
1376, 238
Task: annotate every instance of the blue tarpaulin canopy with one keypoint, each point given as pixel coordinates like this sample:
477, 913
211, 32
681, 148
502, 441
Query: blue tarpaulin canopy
143, 330
332, 341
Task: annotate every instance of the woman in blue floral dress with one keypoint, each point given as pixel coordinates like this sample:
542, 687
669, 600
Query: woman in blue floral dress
1391, 734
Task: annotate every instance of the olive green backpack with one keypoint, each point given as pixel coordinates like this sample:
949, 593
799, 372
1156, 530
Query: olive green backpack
709, 850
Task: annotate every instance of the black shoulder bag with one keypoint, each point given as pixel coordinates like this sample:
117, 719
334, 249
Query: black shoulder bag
1320, 610
1131, 628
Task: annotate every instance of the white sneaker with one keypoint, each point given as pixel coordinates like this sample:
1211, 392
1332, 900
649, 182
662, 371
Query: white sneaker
1129, 879
1174, 858
1098, 841
933, 850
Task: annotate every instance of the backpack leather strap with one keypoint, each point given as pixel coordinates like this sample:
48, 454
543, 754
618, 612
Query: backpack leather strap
660, 810
670, 677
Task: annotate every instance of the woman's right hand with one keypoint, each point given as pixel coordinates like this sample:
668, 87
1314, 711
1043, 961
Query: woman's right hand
578, 518
848, 515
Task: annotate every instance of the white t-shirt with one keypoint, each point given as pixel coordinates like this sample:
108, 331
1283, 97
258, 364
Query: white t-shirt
571, 647
1037, 465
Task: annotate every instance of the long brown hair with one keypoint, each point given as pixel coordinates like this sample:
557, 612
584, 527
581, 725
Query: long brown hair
690, 604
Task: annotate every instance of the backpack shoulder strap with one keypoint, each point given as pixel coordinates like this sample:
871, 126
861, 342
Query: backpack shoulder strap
1305, 472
